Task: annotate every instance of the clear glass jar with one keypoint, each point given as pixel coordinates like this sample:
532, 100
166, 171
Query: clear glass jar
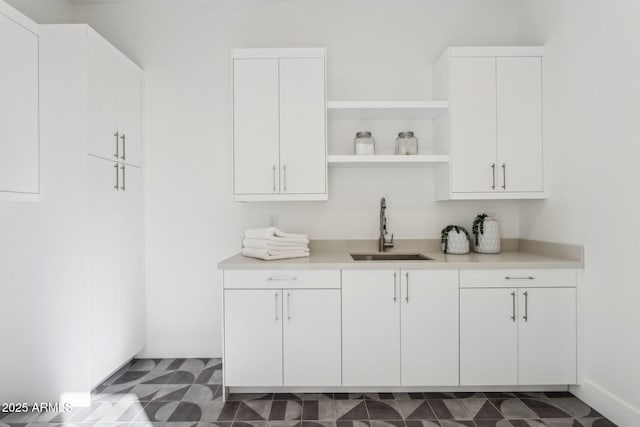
364, 143
406, 143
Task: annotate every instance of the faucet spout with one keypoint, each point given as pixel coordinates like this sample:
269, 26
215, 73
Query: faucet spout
383, 244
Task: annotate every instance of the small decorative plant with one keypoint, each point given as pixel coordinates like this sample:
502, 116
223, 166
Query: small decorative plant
460, 246
478, 227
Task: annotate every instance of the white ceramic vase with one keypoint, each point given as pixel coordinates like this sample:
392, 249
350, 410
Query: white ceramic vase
489, 239
457, 243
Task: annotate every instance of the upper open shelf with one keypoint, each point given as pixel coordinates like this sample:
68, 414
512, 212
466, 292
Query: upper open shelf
386, 110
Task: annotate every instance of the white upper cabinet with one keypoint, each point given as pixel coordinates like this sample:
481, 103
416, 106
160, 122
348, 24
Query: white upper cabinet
255, 127
114, 125
493, 129
19, 175
519, 102
279, 124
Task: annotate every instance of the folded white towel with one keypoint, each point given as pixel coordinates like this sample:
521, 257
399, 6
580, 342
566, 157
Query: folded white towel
278, 251
264, 254
270, 232
275, 242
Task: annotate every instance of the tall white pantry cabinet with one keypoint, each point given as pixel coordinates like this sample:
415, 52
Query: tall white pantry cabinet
19, 174
91, 109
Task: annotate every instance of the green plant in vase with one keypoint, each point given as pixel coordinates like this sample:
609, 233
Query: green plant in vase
444, 238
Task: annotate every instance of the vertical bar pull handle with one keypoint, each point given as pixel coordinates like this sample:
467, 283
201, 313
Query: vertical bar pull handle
395, 288
274, 178
117, 186
526, 306
406, 297
124, 147
504, 176
117, 145
284, 181
288, 306
493, 175
513, 316
276, 309
124, 178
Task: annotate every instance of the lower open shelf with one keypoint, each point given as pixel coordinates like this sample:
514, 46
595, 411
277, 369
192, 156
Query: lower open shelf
421, 160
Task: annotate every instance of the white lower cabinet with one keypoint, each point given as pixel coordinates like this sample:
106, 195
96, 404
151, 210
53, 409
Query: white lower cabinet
370, 328
311, 337
283, 336
547, 336
400, 327
518, 336
253, 337
429, 326
488, 337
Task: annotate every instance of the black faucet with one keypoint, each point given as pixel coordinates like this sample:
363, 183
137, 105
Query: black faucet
383, 244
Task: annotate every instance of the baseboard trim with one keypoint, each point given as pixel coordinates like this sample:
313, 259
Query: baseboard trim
398, 389
608, 404
206, 349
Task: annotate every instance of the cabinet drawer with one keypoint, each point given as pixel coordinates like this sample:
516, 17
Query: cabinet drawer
515, 278
282, 279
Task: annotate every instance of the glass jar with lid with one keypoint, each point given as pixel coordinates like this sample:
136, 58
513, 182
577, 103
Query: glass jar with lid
406, 143
364, 143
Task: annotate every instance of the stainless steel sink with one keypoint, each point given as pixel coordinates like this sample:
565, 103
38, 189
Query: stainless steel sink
379, 256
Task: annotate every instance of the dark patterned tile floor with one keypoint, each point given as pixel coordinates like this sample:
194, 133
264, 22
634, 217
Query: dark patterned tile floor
188, 393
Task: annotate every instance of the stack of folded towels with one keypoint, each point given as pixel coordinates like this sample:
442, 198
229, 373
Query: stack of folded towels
272, 243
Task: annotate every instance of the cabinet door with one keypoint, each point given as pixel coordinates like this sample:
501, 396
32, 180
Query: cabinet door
547, 337
132, 293
253, 337
312, 339
102, 126
303, 152
255, 126
370, 328
473, 124
130, 114
104, 274
519, 89
488, 337
18, 108
429, 328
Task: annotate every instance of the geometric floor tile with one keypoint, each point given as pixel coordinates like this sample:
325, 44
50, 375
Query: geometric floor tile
188, 393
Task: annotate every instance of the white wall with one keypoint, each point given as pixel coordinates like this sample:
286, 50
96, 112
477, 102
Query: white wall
44, 11
376, 50
592, 129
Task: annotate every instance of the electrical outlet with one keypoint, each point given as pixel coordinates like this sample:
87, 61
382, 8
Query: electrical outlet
273, 220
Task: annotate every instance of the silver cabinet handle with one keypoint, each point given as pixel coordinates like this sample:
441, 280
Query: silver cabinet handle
526, 306
124, 178
274, 178
513, 316
395, 289
520, 278
504, 176
117, 186
288, 306
406, 297
124, 146
493, 176
117, 145
276, 309
284, 181
281, 278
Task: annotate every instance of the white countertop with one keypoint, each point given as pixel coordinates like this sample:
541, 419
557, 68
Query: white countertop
342, 260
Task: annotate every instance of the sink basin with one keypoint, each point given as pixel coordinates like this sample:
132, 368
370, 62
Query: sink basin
390, 257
